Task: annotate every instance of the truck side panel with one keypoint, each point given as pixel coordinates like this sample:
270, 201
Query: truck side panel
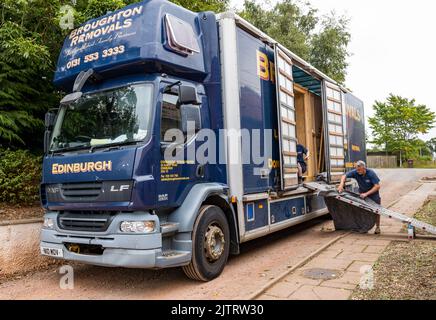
258, 112
355, 129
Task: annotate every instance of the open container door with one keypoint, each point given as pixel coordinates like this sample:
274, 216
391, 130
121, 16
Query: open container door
333, 109
286, 117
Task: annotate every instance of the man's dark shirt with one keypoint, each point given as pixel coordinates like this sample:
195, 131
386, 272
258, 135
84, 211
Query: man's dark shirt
366, 182
301, 151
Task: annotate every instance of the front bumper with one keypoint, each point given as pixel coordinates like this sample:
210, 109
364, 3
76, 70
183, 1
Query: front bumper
112, 257
119, 249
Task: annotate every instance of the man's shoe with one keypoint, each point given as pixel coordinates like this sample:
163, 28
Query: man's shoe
377, 230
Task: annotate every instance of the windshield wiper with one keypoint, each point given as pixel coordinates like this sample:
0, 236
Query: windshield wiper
112, 145
81, 147
93, 148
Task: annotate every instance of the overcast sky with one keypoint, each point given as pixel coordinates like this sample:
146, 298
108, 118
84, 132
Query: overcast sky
393, 48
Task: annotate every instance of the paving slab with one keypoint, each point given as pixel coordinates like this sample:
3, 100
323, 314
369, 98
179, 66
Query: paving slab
375, 249
357, 265
325, 293
283, 289
329, 254
373, 242
325, 263
360, 256
355, 247
267, 297
338, 285
300, 279
304, 293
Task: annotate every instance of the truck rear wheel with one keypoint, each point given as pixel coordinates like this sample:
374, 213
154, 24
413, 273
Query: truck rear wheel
211, 244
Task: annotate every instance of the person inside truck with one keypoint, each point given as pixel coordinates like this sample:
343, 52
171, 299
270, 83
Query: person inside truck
369, 185
302, 156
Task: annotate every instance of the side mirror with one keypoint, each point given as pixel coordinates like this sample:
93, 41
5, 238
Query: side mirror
191, 118
50, 119
188, 95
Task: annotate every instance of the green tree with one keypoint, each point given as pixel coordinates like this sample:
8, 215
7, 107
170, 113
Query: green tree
431, 145
25, 67
329, 51
397, 123
321, 41
257, 15
287, 22
423, 149
203, 5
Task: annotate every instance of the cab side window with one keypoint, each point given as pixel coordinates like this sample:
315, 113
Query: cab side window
171, 115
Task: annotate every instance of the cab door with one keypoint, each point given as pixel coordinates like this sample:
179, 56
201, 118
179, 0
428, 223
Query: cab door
286, 120
179, 168
333, 109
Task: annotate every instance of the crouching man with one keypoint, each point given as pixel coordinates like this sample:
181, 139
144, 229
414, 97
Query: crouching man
369, 185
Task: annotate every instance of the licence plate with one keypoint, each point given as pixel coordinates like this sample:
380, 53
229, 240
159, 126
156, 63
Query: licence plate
58, 253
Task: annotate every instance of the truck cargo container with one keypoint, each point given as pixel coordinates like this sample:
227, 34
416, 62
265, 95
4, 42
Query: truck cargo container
117, 191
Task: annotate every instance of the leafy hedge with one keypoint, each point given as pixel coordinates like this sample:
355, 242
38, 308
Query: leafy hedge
20, 175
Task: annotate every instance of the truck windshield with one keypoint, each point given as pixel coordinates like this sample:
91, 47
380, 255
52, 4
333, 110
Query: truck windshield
115, 117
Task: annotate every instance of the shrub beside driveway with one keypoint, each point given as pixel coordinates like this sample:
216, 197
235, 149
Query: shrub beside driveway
20, 176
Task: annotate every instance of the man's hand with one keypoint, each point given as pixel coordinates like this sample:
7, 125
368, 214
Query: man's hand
342, 184
363, 195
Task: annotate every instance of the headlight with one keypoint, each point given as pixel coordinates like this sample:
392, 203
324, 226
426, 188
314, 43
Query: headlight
137, 226
48, 223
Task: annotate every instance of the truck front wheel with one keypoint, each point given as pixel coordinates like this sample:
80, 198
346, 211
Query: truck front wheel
211, 244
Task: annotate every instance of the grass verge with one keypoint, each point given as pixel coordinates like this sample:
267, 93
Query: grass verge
405, 270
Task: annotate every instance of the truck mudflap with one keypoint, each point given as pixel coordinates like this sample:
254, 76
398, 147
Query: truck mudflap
112, 248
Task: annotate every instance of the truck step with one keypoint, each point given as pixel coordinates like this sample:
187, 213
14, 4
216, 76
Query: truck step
169, 228
173, 258
173, 253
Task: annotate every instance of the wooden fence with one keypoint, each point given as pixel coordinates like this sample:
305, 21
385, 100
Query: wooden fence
382, 161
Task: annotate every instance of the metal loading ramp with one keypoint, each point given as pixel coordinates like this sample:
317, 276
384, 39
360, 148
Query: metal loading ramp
350, 212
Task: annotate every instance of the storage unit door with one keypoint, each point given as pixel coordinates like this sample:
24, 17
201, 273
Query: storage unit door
333, 108
286, 118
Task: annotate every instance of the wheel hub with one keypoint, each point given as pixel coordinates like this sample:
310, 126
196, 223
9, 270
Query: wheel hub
214, 243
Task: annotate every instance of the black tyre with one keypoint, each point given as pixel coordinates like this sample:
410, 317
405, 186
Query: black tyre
210, 244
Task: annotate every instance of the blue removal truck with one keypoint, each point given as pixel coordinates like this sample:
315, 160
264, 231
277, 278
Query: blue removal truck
115, 188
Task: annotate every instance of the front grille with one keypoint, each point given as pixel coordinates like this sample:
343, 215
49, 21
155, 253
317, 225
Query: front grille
81, 191
93, 221
89, 192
